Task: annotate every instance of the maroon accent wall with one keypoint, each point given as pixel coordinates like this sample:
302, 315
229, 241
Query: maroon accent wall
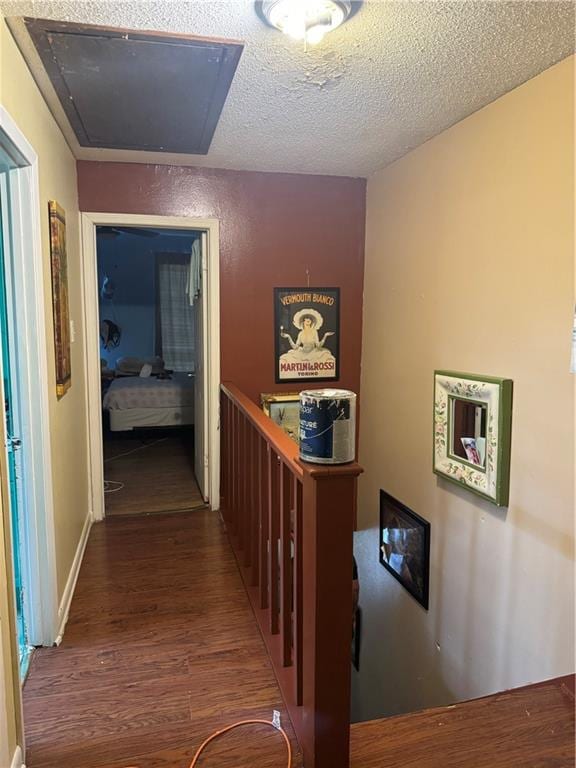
273, 227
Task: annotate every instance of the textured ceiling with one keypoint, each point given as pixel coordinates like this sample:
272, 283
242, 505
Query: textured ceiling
394, 75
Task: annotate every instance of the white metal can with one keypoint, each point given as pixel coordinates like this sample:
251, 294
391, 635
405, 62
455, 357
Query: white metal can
327, 426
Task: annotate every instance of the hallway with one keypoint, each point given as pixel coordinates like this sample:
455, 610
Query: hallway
161, 649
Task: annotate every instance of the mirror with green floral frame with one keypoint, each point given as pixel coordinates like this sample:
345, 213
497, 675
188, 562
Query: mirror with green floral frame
472, 427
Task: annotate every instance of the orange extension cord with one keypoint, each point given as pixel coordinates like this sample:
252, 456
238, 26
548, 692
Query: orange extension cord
236, 725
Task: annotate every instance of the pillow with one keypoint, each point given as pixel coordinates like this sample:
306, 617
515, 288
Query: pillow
145, 371
133, 365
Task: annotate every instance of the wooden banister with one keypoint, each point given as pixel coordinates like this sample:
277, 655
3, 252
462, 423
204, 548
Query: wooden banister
271, 432
291, 524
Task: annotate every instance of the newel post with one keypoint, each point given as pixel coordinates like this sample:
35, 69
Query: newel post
329, 505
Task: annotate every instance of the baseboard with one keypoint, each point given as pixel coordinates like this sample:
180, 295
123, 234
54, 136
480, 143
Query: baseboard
18, 759
64, 608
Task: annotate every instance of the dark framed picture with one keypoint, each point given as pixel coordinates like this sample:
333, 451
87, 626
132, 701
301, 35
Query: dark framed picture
356, 616
405, 546
306, 334
356, 637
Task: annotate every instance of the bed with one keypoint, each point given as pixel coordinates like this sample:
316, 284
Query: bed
133, 401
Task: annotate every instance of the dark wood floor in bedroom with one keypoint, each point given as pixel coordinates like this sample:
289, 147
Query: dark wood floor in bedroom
155, 468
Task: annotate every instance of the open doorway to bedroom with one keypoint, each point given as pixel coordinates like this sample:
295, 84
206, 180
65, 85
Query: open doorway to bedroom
150, 329
206, 374
103, 345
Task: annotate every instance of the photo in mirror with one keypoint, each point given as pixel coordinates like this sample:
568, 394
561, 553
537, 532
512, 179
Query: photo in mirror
468, 433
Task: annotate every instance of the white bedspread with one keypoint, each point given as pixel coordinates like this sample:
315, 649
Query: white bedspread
136, 392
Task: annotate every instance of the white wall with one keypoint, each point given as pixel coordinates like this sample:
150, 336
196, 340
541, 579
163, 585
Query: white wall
469, 266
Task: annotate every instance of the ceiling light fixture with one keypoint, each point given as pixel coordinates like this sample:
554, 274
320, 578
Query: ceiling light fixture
308, 20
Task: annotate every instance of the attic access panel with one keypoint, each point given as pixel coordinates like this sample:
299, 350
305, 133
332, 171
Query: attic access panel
124, 89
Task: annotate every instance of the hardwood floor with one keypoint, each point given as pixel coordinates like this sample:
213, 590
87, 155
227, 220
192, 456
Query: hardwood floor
160, 650
530, 727
157, 472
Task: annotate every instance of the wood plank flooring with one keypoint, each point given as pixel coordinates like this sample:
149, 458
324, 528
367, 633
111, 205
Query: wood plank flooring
161, 649
530, 727
156, 468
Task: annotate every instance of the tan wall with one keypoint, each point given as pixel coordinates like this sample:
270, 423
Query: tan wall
469, 267
57, 168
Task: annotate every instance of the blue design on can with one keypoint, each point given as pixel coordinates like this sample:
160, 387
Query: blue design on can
318, 413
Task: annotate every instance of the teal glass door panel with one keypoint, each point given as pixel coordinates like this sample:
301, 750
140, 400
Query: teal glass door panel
14, 463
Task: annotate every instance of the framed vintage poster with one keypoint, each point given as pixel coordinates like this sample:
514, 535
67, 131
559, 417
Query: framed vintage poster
307, 334
60, 307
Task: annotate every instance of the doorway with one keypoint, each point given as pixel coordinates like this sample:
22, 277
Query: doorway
151, 352
13, 452
206, 374
25, 459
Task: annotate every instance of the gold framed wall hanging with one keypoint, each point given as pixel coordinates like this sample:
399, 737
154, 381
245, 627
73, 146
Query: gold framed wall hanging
60, 307
284, 409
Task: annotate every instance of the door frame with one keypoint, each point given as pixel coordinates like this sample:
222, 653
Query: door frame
27, 276
89, 222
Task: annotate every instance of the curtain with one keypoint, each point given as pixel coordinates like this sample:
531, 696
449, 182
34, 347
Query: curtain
175, 315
